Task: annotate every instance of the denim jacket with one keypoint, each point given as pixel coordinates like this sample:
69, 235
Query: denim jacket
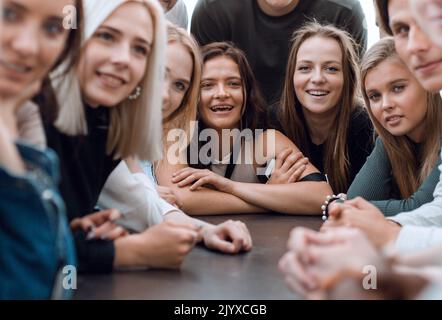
35, 241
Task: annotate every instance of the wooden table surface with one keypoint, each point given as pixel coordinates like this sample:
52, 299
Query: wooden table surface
210, 275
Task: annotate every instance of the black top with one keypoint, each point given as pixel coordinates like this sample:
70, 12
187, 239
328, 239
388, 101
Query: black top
266, 39
360, 144
85, 166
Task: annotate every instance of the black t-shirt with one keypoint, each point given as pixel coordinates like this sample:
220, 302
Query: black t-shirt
85, 166
266, 39
360, 144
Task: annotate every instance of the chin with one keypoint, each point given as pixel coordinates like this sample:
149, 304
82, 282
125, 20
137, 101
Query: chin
433, 85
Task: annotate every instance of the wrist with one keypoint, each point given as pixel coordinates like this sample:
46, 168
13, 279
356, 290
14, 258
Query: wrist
126, 252
329, 200
394, 229
233, 187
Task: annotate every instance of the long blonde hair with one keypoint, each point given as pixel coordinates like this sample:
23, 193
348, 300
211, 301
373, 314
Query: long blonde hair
291, 116
135, 126
182, 117
409, 170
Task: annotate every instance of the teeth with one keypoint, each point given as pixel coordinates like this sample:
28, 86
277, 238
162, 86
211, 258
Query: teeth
221, 108
16, 67
317, 92
111, 80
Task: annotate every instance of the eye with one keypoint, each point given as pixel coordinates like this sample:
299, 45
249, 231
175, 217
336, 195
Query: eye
374, 97
234, 84
398, 88
106, 36
53, 28
141, 50
332, 69
10, 15
304, 68
401, 30
206, 85
179, 86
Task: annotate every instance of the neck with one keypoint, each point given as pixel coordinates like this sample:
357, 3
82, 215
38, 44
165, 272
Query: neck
319, 126
8, 117
277, 12
417, 135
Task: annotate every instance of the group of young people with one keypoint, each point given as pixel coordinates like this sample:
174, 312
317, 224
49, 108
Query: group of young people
117, 130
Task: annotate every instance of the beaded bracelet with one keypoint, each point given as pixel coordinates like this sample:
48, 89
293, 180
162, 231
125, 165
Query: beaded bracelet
329, 199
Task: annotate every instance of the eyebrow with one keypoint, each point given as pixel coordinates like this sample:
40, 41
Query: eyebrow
22, 8
228, 78
392, 83
325, 62
18, 6
139, 39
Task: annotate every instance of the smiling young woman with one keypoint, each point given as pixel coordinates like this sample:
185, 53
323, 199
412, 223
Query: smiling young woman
102, 116
319, 110
402, 171
33, 41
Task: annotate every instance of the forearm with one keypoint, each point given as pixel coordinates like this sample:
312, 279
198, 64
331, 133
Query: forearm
212, 202
293, 198
374, 180
178, 215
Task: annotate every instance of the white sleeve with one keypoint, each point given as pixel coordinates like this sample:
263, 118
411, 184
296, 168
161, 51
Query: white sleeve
430, 214
415, 238
135, 197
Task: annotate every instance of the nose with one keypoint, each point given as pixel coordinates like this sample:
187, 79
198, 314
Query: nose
221, 92
387, 102
27, 43
121, 56
417, 40
317, 76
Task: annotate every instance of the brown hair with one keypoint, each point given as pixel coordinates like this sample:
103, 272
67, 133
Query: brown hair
291, 116
181, 118
254, 114
409, 171
68, 57
381, 7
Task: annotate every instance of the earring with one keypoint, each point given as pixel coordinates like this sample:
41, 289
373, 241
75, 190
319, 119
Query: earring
136, 94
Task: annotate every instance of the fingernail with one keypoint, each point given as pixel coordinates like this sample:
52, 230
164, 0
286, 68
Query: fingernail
90, 235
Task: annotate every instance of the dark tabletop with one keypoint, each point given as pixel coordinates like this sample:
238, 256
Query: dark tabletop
210, 275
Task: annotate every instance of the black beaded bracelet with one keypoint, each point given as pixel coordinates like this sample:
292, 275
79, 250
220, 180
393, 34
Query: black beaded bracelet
329, 199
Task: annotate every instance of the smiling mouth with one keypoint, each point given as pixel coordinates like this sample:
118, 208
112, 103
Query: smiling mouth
221, 108
393, 119
111, 80
16, 67
318, 93
427, 66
